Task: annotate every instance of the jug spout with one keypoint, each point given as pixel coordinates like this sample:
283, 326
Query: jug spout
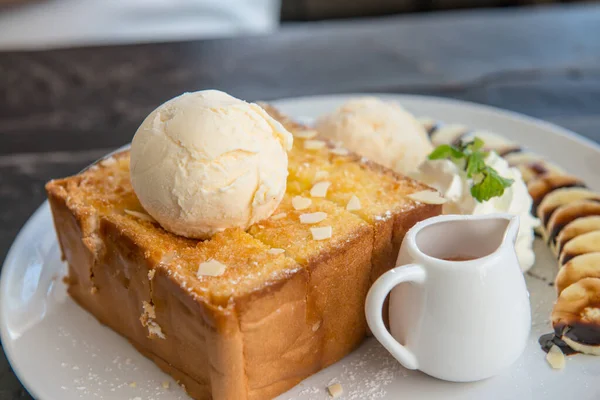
512, 230
468, 235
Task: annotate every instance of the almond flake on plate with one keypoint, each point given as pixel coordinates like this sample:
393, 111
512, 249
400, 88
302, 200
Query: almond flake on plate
427, 197
353, 204
301, 203
320, 175
306, 134
319, 189
279, 216
313, 218
555, 357
335, 390
211, 268
140, 215
314, 144
340, 151
275, 250
321, 233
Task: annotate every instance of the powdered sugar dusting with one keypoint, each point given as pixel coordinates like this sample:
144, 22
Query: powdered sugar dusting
367, 377
104, 376
364, 375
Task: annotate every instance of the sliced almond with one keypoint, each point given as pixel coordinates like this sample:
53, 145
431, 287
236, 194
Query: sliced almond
316, 326
140, 215
314, 144
321, 233
154, 330
335, 390
353, 204
211, 268
301, 203
279, 216
319, 189
340, 151
555, 357
306, 134
166, 384
151, 274
427, 197
276, 251
107, 162
313, 218
320, 175
149, 310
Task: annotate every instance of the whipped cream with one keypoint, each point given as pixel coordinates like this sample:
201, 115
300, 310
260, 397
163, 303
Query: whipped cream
452, 182
206, 161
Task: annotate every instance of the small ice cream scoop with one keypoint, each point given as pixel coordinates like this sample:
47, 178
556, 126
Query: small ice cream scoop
206, 161
381, 131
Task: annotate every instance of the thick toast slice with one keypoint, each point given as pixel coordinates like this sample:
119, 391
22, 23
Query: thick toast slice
273, 318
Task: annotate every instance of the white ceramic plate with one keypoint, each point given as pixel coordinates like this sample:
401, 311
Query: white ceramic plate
60, 352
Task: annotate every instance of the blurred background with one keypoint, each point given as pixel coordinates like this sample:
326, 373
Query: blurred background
41, 24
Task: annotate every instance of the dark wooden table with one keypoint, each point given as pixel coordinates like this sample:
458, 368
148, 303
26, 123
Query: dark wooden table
61, 109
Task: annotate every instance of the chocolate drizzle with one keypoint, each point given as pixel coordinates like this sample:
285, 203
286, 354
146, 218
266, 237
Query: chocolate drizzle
510, 150
561, 245
546, 217
433, 129
582, 332
538, 167
547, 340
458, 140
568, 257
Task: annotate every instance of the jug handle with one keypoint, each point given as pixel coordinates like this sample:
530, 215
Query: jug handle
374, 305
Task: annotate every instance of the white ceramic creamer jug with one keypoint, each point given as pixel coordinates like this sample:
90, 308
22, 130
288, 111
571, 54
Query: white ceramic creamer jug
459, 308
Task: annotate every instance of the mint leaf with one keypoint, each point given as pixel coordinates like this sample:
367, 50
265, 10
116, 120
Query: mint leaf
475, 164
506, 182
492, 185
445, 151
470, 157
475, 145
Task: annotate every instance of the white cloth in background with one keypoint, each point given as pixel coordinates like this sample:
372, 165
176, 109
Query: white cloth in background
64, 23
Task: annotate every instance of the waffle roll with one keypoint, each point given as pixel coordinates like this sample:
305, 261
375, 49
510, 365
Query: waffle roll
570, 225
576, 228
541, 187
576, 315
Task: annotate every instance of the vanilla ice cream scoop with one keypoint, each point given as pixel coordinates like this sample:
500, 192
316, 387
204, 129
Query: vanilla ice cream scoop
206, 161
381, 131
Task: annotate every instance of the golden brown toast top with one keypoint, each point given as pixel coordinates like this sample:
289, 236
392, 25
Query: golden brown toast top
103, 193
381, 191
102, 196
